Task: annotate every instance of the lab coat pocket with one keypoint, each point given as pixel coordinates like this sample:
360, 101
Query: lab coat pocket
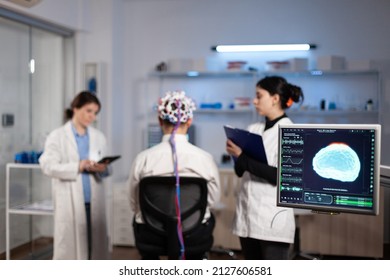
279, 219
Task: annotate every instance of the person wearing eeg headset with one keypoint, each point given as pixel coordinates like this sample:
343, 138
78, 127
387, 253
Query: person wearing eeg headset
175, 115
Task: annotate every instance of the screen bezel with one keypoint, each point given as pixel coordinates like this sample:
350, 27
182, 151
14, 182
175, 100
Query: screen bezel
335, 209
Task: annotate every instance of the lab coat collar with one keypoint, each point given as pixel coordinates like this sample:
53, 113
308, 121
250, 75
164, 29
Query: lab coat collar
178, 138
69, 133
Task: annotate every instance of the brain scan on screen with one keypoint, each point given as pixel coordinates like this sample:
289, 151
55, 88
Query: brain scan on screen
329, 168
337, 161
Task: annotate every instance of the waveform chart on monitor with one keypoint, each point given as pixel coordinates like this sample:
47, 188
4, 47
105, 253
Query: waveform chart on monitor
329, 167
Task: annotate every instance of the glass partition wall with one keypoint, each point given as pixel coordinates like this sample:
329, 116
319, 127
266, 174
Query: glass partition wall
33, 68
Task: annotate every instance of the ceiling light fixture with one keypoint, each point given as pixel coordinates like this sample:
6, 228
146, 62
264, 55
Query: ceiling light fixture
263, 48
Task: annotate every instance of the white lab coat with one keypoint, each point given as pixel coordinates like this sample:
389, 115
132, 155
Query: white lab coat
257, 215
60, 160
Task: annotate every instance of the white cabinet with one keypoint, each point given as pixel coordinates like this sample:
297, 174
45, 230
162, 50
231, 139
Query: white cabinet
224, 211
122, 233
28, 193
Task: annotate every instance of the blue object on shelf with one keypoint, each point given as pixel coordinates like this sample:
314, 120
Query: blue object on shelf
18, 158
92, 85
21, 157
217, 105
27, 157
332, 106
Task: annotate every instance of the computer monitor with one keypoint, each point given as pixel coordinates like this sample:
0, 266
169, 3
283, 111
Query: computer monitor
329, 168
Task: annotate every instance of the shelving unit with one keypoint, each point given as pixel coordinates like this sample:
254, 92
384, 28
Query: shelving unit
348, 90
334, 113
210, 74
351, 88
30, 206
92, 76
188, 79
321, 73
304, 77
223, 111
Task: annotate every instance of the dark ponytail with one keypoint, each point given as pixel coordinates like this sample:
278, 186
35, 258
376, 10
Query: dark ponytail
68, 114
288, 93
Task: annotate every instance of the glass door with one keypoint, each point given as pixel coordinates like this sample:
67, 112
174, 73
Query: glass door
34, 65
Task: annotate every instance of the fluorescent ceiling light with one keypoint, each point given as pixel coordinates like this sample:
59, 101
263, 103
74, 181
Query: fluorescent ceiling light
263, 48
32, 66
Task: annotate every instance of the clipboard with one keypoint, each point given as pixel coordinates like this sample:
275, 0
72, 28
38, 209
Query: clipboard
109, 159
250, 143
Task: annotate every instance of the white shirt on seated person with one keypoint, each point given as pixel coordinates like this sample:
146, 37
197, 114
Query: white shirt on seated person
175, 117
157, 161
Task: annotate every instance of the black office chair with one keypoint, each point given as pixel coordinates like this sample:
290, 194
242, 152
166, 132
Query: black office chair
157, 204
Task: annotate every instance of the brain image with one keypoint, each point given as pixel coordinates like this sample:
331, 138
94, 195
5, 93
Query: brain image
337, 161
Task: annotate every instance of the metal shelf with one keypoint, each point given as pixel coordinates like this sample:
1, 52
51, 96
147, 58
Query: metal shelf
196, 74
223, 111
227, 74
321, 73
23, 165
42, 208
332, 112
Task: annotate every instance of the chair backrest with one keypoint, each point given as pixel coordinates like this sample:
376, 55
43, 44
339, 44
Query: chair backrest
157, 202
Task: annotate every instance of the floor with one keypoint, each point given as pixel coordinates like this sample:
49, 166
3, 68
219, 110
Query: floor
131, 253
42, 249
303, 256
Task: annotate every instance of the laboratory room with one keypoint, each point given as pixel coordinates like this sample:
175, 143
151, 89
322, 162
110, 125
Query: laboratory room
194, 130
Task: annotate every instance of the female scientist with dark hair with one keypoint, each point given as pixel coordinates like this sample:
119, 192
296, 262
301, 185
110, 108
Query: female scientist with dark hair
70, 158
265, 230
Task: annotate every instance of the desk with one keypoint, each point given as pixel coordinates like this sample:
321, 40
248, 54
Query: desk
385, 176
344, 234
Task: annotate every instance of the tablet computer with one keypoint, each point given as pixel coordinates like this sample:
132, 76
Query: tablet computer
108, 159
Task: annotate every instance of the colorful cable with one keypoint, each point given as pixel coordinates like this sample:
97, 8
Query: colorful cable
176, 172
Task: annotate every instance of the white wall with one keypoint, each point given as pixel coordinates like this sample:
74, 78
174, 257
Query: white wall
131, 36
60, 12
160, 30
